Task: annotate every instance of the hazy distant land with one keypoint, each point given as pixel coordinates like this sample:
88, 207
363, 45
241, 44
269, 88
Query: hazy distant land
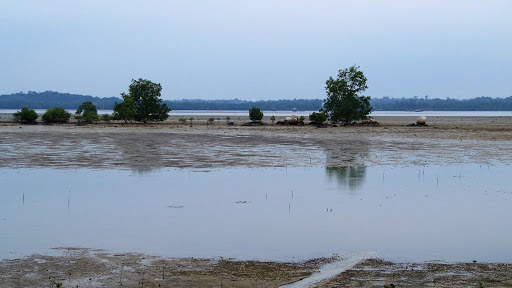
50, 99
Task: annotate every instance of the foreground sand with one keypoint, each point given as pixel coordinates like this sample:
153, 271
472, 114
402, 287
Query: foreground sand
87, 268
447, 140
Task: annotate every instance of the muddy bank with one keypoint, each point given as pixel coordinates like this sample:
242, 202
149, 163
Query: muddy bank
87, 268
483, 140
377, 273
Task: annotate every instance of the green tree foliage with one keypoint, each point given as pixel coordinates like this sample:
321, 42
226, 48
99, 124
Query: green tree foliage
318, 117
255, 114
344, 102
91, 116
106, 118
56, 115
125, 110
210, 120
182, 120
90, 113
86, 106
25, 115
145, 96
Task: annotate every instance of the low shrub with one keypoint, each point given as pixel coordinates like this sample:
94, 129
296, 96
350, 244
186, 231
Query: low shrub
91, 116
318, 117
255, 114
106, 118
56, 115
25, 115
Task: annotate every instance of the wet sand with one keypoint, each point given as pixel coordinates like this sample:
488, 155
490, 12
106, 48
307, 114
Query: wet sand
88, 268
447, 140
377, 273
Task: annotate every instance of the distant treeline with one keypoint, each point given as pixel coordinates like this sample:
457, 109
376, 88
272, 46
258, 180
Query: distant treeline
235, 104
448, 104
50, 99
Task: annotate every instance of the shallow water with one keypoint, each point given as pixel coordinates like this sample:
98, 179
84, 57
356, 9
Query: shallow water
449, 213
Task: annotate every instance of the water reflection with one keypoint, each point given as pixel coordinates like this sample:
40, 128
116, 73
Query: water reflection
346, 153
349, 178
144, 171
141, 153
345, 164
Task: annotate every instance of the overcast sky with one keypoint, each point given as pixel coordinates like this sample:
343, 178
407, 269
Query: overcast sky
257, 50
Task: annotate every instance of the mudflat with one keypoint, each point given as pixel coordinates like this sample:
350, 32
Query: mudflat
446, 140
95, 268
169, 144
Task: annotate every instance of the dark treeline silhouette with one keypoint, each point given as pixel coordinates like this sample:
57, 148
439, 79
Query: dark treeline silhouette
448, 104
236, 104
50, 99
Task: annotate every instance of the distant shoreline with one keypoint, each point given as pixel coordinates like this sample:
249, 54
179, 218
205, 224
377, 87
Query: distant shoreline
50, 99
7, 113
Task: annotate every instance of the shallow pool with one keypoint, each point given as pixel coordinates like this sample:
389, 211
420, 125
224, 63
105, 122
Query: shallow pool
449, 213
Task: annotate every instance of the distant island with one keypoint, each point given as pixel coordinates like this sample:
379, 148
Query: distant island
50, 99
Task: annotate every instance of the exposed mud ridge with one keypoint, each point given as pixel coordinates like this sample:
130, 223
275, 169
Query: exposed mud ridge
94, 268
377, 273
87, 268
